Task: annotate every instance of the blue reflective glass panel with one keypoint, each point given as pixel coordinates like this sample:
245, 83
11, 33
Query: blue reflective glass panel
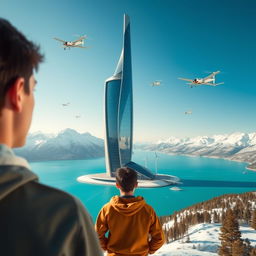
112, 103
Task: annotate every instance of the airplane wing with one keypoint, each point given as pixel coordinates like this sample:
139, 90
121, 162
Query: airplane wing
59, 40
80, 46
209, 84
219, 84
185, 79
80, 38
212, 75
212, 84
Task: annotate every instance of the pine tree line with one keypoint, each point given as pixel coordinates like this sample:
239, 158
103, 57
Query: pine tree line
212, 211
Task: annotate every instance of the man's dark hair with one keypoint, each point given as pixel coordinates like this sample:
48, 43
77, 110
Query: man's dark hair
18, 58
126, 178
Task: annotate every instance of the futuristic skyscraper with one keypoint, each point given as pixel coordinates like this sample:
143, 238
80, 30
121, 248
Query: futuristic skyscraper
118, 112
118, 109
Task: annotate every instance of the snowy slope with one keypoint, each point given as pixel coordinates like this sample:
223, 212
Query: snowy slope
204, 241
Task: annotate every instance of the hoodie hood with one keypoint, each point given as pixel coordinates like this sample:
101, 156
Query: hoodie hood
127, 206
14, 172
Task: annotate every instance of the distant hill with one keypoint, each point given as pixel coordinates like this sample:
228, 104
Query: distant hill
66, 145
236, 146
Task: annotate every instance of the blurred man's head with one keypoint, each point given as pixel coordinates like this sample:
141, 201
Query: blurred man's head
126, 179
18, 58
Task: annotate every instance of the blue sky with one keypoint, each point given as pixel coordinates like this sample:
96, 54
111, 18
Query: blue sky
170, 39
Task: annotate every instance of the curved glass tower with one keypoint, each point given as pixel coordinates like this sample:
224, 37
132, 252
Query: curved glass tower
119, 113
118, 109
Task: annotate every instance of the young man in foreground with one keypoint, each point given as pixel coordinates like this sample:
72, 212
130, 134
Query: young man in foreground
133, 226
34, 219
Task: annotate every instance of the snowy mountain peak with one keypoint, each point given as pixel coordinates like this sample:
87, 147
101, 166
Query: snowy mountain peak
68, 131
235, 139
68, 144
236, 146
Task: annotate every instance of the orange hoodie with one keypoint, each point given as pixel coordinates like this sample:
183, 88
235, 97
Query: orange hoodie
133, 227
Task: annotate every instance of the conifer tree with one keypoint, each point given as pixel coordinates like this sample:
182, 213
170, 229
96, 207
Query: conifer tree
224, 251
238, 248
253, 223
253, 252
165, 233
247, 215
170, 234
216, 218
223, 216
195, 219
181, 227
248, 247
206, 217
229, 234
175, 217
176, 234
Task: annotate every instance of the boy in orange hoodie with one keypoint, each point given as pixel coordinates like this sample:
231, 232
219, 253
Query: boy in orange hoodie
132, 225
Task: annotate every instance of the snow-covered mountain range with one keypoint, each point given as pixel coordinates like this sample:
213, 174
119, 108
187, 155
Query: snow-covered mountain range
70, 144
236, 146
66, 145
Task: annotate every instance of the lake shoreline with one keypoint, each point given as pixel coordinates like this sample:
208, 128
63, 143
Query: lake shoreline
213, 157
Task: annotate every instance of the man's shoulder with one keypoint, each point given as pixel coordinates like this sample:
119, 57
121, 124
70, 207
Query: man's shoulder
56, 202
44, 192
47, 200
21, 184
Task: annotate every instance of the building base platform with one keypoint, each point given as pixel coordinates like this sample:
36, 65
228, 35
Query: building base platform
160, 180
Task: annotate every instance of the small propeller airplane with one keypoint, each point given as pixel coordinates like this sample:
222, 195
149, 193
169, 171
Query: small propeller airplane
156, 83
65, 104
77, 116
68, 44
209, 80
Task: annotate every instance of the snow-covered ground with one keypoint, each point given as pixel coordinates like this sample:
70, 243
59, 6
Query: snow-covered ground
204, 241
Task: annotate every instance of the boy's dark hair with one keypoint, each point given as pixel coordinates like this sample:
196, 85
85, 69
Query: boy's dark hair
18, 58
126, 178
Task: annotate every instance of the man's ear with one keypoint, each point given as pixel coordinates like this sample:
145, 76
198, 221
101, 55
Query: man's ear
15, 94
117, 185
136, 185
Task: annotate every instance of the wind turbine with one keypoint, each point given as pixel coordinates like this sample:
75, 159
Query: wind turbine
156, 159
146, 161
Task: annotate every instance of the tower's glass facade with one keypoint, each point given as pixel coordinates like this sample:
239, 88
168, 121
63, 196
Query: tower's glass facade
112, 92
125, 104
119, 113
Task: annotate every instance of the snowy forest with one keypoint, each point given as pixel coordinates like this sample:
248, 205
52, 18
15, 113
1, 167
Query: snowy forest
230, 210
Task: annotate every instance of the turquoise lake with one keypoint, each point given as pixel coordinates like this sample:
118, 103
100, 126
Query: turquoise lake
202, 179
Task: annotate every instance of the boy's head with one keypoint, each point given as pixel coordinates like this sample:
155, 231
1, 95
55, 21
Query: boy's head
18, 58
126, 179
